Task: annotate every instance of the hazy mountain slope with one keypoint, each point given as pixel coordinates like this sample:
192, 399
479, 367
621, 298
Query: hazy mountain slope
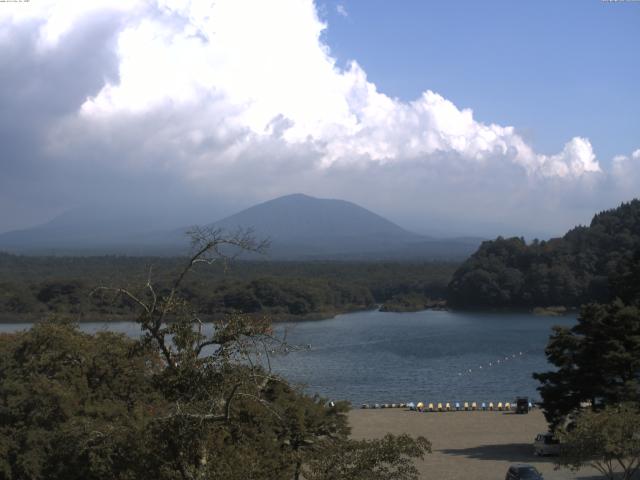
92, 230
299, 227
299, 217
84, 226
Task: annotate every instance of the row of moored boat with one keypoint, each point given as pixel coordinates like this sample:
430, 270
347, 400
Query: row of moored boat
449, 406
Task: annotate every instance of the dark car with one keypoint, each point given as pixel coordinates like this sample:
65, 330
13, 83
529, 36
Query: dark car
522, 405
523, 471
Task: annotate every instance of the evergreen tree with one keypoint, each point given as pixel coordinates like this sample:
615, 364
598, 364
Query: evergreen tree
597, 360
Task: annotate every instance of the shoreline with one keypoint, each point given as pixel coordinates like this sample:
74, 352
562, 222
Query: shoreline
33, 318
275, 318
26, 318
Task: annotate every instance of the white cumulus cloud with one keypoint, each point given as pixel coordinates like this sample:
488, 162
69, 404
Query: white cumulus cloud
273, 65
244, 96
626, 172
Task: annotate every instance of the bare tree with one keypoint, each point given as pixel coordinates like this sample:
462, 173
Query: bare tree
216, 385
205, 371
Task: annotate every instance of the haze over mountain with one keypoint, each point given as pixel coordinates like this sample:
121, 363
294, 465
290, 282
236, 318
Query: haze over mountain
96, 229
299, 226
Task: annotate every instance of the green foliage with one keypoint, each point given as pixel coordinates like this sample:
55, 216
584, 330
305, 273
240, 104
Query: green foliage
388, 458
608, 440
569, 271
597, 361
72, 405
411, 302
284, 297
31, 287
182, 402
626, 280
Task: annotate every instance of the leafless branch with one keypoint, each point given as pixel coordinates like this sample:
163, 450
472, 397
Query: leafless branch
262, 402
122, 291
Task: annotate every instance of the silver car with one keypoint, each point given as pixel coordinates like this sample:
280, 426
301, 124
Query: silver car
546, 444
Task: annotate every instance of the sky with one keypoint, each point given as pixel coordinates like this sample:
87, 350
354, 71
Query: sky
450, 118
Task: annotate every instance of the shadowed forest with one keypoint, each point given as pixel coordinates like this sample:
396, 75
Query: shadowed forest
33, 287
589, 264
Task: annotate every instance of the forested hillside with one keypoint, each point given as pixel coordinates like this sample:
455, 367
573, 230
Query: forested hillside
586, 264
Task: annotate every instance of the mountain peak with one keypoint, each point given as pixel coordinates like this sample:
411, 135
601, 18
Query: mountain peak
302, 217
299, 222
303, 199
296, 196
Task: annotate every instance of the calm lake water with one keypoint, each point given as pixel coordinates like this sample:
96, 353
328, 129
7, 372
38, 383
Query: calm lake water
369, 357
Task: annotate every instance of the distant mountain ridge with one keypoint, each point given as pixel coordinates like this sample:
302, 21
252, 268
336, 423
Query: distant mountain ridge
299, 226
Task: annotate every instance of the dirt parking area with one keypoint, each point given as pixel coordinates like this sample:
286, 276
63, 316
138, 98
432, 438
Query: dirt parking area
467, 445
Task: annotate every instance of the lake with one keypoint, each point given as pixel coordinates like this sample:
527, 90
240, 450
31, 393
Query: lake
369, 357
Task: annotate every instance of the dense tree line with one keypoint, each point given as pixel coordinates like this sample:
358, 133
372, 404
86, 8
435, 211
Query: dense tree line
597, 361
591, 398
588, 264
31, 287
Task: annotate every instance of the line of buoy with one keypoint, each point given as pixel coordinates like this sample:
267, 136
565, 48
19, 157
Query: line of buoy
494, 363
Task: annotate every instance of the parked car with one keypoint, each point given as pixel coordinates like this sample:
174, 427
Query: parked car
546, 444
522, 405
523, 471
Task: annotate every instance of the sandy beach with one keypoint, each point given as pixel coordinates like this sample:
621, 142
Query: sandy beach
467, 445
